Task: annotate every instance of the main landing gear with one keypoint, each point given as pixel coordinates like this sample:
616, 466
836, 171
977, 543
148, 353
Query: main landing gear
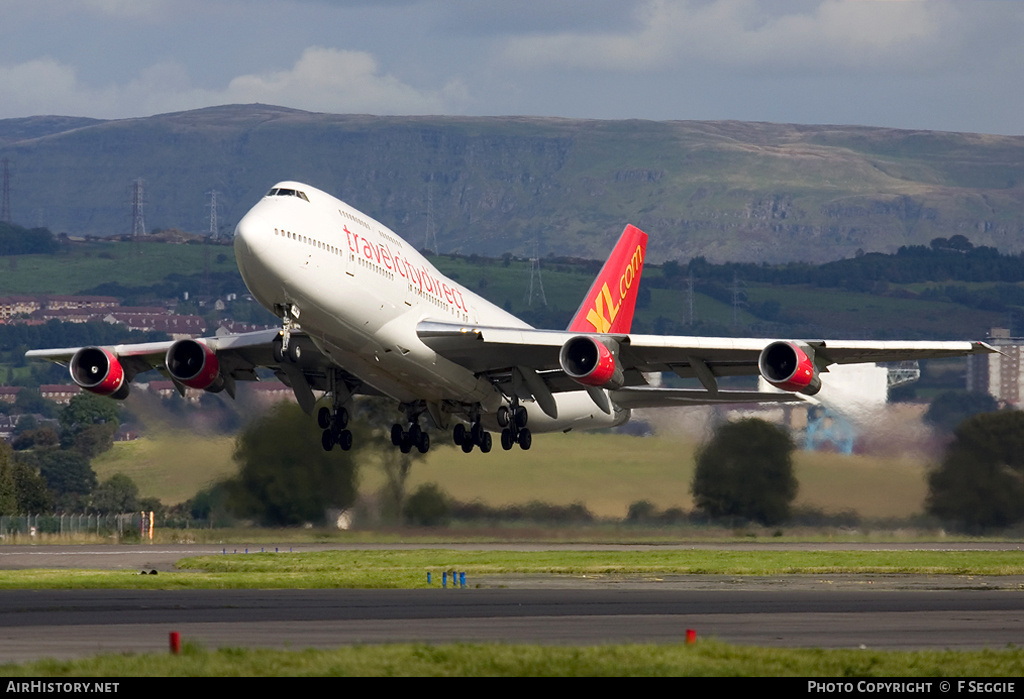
333, 423
406, 439
476, 435
514, 431
413, 436
512, 419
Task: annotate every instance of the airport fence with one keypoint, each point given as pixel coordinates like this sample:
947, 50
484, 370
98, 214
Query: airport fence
126, 525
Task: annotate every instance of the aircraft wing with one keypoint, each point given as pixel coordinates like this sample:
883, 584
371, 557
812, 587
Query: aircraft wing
241, 352
493, 350
238, 357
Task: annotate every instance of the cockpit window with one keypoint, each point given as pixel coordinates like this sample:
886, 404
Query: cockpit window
282, 192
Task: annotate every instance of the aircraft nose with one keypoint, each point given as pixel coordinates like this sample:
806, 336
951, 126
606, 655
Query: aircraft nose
251, 235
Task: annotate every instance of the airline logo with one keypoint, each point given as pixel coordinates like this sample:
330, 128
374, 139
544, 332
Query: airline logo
417, 275
613, 295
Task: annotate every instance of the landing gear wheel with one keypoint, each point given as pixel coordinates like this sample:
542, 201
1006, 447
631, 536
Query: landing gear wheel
521, 416
278, 353
294, 351
323, 418
345, 439
467, 446
327, 440
397, 434
507, 439
459, 434
504, 416
525, 439
485, 442
423, 444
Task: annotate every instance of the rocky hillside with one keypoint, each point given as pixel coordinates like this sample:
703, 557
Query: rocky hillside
725, 190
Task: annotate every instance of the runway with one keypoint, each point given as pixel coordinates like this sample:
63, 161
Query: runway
849, 611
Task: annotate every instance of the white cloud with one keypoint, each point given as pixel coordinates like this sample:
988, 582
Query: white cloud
126, 8
743, 33
326, 79
40, 86
323, 79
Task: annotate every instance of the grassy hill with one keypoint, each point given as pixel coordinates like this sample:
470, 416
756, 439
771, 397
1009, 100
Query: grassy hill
726, 190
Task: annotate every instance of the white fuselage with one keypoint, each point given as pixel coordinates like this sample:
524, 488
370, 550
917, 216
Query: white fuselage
360, 290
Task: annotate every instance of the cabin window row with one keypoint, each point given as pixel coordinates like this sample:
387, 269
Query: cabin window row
308, 241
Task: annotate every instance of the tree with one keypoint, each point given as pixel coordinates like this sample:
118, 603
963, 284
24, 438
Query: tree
33, 495
116, 494
746, 472
285, 476
980, 483
67, 474
8, 487
949, 409
427, 506
88, 423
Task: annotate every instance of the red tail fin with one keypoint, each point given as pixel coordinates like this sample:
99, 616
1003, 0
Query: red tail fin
608, 306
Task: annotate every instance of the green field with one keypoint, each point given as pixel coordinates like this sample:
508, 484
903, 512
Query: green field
86, 265
605, 472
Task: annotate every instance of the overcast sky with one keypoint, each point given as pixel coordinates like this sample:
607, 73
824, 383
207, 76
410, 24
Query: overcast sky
919, 64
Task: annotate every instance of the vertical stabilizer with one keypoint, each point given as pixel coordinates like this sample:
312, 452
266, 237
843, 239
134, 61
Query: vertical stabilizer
608, 306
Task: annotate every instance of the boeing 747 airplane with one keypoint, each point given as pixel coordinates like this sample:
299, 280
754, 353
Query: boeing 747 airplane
363, 313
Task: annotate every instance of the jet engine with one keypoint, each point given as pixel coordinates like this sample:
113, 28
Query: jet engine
195, 365
590, 362
98, 371
790, 366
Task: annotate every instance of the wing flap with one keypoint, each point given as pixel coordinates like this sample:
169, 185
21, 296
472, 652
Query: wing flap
654, 397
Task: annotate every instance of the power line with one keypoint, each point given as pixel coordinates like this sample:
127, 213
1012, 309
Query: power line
138, 219
5, 207
214, 229
535, 273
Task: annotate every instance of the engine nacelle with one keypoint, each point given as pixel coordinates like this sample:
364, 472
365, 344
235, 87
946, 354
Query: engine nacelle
590, 362
790, 366
98, 371
194, 364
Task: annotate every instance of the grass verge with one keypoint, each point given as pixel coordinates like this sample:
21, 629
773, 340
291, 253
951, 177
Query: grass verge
706, 658
408, 569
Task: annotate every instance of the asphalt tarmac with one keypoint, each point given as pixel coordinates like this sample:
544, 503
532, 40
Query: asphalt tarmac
845, 611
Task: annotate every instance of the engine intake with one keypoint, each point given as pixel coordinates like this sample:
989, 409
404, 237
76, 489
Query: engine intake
590, 362
98, 371
194, 364
790, 366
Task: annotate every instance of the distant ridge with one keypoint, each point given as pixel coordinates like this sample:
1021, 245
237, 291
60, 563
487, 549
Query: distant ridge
726, 190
